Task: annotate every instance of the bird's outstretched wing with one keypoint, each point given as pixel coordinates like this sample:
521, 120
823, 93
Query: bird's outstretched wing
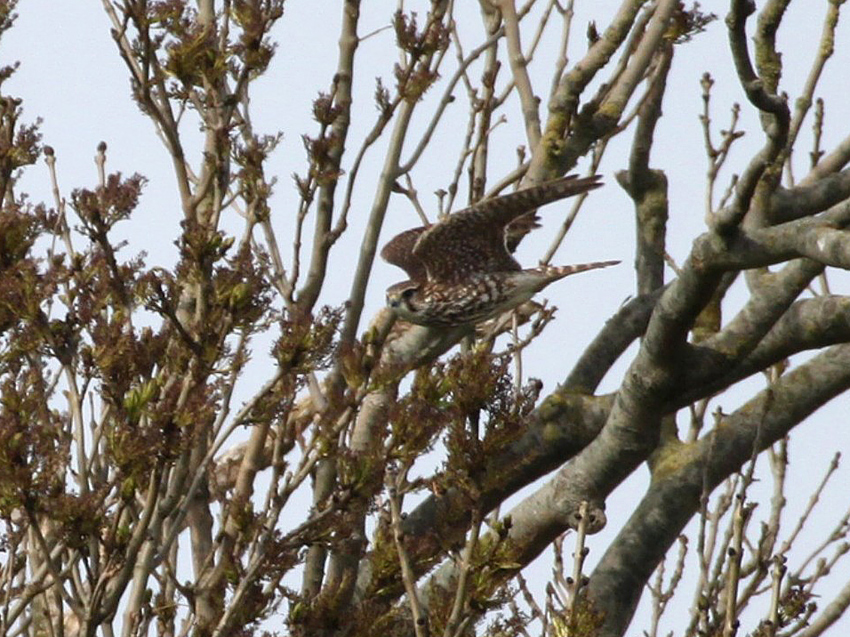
399, 252
473, 240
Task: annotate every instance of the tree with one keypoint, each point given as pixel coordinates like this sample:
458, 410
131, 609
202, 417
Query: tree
131, 503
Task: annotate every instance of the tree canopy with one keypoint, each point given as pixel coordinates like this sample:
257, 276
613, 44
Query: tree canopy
228, 445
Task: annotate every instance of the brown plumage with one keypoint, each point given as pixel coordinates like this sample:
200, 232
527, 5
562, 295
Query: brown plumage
461, 270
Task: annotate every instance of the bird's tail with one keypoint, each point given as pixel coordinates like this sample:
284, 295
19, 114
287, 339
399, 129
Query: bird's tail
560, 271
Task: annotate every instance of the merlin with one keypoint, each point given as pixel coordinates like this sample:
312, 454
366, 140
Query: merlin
461, 269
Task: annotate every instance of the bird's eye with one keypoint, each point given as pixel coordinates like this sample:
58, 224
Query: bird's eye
408, 298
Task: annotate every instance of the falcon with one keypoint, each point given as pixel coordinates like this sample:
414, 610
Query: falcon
461, 269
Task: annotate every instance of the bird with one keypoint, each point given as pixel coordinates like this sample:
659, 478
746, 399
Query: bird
461, 269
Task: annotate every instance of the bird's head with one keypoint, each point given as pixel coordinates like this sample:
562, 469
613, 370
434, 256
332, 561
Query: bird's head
405, 300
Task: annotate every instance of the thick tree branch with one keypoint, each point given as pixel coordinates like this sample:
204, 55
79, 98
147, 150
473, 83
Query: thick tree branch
343, 81
674, 496
620, 331
763, 99
550, 158
809, 198
809, 324
648, 188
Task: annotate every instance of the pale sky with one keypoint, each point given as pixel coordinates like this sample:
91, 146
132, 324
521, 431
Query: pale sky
72, 77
